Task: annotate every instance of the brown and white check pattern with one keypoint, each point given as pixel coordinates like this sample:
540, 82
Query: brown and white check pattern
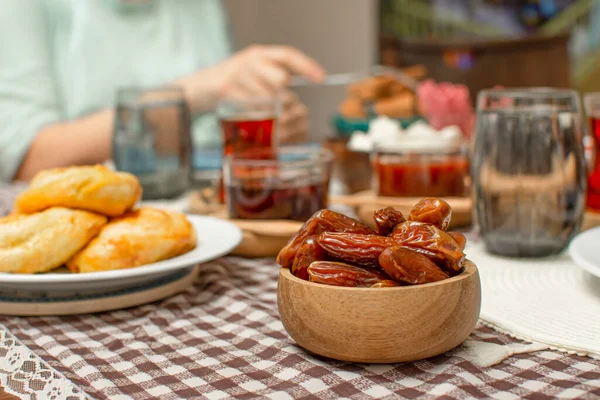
222, 338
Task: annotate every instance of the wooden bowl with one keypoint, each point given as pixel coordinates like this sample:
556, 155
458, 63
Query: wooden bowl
380, 325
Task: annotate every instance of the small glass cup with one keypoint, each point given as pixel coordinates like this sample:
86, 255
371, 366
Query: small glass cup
293, 186
591, 102
528, 170
152, 139
249, 126
400, 171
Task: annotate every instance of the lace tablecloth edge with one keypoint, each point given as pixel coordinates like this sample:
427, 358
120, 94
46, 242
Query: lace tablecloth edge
13, 358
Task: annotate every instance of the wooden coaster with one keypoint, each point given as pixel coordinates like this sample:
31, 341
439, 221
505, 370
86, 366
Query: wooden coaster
148, 293
262, 238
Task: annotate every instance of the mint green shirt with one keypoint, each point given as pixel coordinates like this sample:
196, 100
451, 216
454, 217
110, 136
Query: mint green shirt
63, 59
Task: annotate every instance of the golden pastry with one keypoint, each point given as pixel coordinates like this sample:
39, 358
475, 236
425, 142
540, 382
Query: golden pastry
352, 107
372, 88
399, 106
139, 237
417, 72
91, 188
43, 241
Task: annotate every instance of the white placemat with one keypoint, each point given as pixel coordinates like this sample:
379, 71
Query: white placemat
544, 300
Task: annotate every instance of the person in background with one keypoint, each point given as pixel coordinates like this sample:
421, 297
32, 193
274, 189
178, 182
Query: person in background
62, 62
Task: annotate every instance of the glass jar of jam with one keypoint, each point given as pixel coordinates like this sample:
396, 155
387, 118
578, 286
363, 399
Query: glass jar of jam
401, 170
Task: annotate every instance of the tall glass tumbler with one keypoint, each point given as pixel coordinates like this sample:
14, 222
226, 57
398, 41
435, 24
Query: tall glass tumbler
528, 170
152, 140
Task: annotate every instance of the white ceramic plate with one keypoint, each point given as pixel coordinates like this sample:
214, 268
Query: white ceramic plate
584, 251
216, 238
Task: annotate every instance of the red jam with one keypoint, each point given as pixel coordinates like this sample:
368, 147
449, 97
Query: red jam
421, 175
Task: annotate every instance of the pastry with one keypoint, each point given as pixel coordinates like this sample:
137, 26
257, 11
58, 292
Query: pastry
382, 95
371, 88
352, 107
417, 72
91, 188
43, 241
139, 237
399, 106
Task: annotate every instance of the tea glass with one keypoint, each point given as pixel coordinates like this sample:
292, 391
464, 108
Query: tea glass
293, 185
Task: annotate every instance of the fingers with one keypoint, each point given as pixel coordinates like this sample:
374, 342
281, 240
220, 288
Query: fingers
295, 62
294, 134
294, 123
271, 75
296, 114
252, 83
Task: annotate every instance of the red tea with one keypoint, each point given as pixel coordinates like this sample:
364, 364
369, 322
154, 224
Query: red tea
253, 137
593, 194
258, 199
240, 135
403, 177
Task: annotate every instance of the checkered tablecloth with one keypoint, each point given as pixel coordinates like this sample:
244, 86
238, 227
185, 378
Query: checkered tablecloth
222, 338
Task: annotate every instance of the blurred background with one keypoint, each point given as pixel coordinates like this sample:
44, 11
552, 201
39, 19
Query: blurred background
480, 43
341, 34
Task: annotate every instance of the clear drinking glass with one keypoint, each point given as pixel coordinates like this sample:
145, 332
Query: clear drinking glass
152, 139
249, 127
249, 124
528, 170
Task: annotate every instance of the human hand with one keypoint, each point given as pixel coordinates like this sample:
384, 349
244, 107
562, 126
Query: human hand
262, 71
293, 124
257, 71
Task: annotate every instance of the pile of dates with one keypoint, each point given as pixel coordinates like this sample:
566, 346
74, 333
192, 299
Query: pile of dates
334, 249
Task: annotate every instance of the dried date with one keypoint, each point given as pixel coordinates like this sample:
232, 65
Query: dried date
459, 238
408, 266
342, 274
386, 220
430, 241
355, 248
308, 252
431, 210
321, 221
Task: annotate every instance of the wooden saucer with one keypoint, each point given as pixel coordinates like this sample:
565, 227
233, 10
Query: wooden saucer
262, 238
367, 202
